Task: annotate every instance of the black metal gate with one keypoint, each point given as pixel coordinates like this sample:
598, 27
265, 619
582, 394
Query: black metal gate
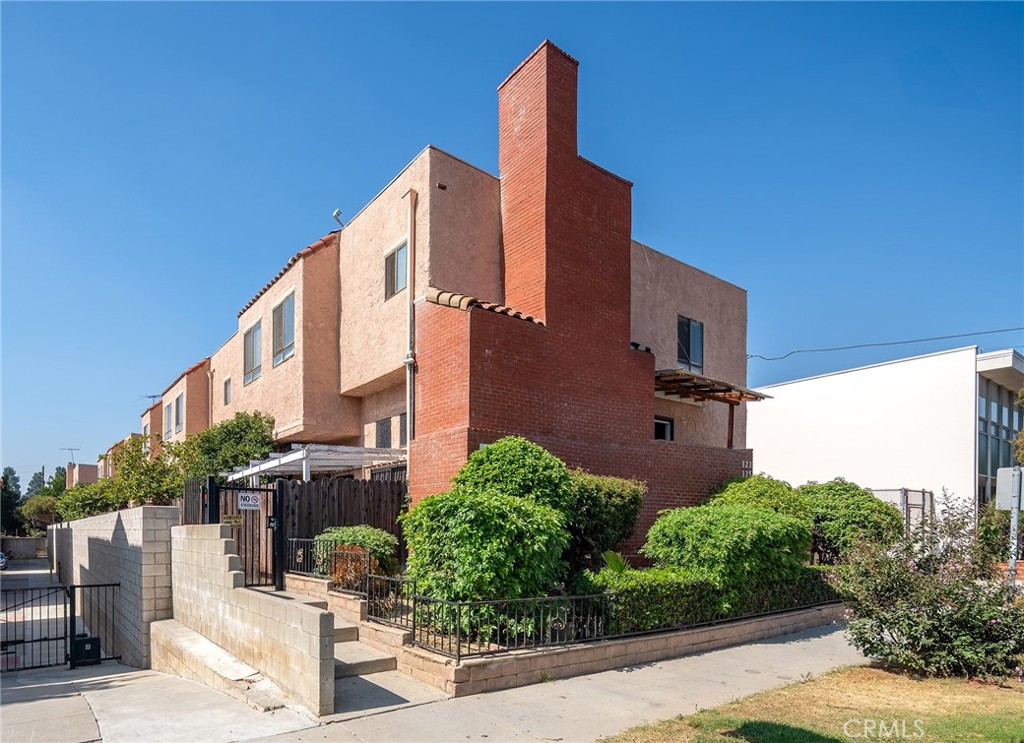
250, 512
53, 625
33, 628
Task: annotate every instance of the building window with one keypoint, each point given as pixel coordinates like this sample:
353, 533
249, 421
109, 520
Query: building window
395, 271
691, 345
145, 438
384, 433
167, 421
252, 352
403, 430
284, 330
179, 412
227, 391
664, 428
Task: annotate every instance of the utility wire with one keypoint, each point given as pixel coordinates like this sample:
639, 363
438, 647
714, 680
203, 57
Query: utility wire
876, 345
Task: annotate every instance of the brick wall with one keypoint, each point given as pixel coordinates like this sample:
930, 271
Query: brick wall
290, 643
571, 382
130, 547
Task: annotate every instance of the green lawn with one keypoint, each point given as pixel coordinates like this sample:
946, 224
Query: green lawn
856, 704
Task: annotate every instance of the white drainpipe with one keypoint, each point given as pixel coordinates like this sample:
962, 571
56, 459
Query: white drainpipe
410, 358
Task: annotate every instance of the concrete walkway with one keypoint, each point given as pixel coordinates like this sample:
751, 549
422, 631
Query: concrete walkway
120, 705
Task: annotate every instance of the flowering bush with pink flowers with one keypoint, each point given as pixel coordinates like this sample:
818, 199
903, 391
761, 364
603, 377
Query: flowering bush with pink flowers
934, 603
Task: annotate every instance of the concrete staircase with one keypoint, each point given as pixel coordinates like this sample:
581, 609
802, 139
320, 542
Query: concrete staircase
351, 657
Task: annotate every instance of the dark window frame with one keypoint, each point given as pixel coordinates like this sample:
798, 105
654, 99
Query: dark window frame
690, 344
281, 326
668, 422
252, 351
395, 271
383, 432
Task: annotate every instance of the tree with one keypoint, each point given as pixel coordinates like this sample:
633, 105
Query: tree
39, 510
231, 443
10, 500
1018, 443
36, 484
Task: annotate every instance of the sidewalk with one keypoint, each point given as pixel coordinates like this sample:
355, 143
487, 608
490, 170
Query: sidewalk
122, 705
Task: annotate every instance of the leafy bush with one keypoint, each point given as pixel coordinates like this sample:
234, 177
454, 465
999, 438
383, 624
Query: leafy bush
39, 510
845, 513
655, 598
764, 492
734, 546
89, 500
932, 603
476, 544
517, 467
382, 546
602, 512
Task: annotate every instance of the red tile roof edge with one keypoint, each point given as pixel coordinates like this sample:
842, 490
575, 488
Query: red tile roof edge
465, 302
323, 242
185, 373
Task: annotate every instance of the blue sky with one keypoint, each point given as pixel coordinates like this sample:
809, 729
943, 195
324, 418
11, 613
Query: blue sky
856, 167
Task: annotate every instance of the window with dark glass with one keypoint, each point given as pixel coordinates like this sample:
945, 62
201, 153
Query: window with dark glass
691, 345
663, 428
403, 431
252, 352
284, 330
384, 433
179, 412
395, 271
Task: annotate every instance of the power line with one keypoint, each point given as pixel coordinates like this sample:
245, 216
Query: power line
876, 345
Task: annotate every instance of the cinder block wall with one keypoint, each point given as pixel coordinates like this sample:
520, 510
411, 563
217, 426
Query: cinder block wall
290, 643
22, 548
133, 548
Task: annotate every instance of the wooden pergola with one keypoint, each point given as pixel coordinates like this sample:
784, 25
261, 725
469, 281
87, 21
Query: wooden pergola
686, 384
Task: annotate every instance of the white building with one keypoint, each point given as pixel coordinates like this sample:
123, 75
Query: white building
943, 420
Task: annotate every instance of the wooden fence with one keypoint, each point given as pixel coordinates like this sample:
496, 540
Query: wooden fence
311, 507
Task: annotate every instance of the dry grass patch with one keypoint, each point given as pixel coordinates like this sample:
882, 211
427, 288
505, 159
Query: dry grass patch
820, 711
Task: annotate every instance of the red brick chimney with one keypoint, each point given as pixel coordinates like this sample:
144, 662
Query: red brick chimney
565, 222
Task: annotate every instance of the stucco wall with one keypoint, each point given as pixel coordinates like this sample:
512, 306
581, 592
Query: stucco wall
195, 384
663, 289
289, 642
154, 418
130, 547
910, 423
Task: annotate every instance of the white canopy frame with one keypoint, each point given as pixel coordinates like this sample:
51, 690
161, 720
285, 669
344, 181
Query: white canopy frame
306, 459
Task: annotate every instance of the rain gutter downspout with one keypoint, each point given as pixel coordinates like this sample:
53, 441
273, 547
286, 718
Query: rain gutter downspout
410, 357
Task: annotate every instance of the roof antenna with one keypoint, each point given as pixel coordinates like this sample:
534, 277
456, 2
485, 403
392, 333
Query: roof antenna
71, 449
337, 217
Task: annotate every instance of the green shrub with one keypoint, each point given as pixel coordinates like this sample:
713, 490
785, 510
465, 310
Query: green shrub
764, 492
517, 467
845, 513
471, 544
655, 598
382, 546
927, 604
734, 546
602, 512
89, 500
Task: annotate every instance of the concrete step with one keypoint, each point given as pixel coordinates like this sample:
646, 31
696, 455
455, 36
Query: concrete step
356, 659
345, 631
296, 597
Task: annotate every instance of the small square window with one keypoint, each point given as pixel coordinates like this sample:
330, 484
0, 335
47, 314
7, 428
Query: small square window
663, 428
396, 271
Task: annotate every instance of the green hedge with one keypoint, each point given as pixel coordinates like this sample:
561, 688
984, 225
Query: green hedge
845, 513
764, 492
734, 546
517, 467
602, 515
660, 598
471, 545
381, 545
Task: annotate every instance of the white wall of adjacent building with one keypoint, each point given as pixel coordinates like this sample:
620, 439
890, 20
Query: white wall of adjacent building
910, 423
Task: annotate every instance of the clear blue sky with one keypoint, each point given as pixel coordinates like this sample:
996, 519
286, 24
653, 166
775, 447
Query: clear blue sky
856, 167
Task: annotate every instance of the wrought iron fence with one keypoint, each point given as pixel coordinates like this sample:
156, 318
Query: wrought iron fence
344, 567
95, 627
391, 601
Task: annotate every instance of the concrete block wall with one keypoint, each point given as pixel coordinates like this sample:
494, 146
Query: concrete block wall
290, 643
132, 548
23, 548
